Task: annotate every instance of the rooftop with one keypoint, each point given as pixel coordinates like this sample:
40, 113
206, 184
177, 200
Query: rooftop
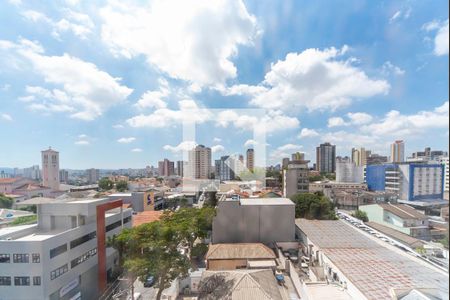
397, 235
266, 201
240, 251
370, 265
403, 211
244, 285
146, 217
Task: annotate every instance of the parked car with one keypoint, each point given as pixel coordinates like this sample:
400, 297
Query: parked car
150, 281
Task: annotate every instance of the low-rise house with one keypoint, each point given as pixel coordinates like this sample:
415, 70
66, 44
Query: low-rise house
401, 217
239, 256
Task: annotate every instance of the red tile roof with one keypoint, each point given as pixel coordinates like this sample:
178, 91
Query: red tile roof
9, 180
146, 217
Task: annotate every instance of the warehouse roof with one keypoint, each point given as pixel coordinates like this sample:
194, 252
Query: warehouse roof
403, 211
240, 251
397, 235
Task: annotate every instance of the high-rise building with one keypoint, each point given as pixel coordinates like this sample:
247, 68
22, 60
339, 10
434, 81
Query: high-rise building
50, 168
199, 164
359, 156
398, 151
92, 175
32, 172
250, 159
428, 155
63, 176
224, 168
375, 159
296, 178
166, 168
180, 168
326, 158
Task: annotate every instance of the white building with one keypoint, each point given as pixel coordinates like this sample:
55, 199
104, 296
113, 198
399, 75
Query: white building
92, 175
50, 169
199, 164
349, 172
444, 161
57, 257
32, 172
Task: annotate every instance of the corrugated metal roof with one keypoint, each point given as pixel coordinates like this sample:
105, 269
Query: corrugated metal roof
240, 251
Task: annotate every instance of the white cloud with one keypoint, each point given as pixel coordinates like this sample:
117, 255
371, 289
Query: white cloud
313, 79
15, 2
307, 133
83, 90
82, 136
217, 140
118, 126
136, 150
183, 146
250, 143
82, 143
359, 118
336, 122
284, 151
217, 148
389, 68
154, 99
126, 140
193, 41
395, 16
79, 24
401, 14
441, 40
6, 117
396, 124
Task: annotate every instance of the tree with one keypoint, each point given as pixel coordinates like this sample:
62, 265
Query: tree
362, 215
121, 186
105, 184
315, 178
215, 287
313, 206
6, 202
211, 198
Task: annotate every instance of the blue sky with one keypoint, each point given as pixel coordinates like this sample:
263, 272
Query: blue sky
109, 83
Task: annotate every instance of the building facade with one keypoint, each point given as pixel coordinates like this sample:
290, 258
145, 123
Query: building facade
57, 257
410, 181
224, 168
50, 169
199, 165
376, 159
398, 151
92, 175
429, 155
250, 159
295, 178
326, 158
32, 172
180, 168
359, 156
444, 162
166, 168
349, 172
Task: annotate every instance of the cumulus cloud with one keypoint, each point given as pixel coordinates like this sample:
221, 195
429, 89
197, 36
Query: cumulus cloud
389, 68
193, 41
79, 24
126, 140
441, 40
313, 79
359, 118
82, 143
5, 117
250, 143
183, 146
284, 151
307, 133
136, 150
217, 148
217, 140
336, 122
155, 99
83, 90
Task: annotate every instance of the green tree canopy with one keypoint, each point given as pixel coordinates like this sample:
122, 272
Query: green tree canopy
313, 206
105, 184
121, 186
362, 215
6, 202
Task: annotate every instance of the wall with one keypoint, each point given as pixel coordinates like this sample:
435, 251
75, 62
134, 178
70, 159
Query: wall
226, 264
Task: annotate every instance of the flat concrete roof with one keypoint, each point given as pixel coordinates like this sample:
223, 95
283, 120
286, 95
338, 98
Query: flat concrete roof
266, 201
373, 267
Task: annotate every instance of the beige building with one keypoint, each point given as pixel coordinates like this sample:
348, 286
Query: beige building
50, 168
199, 165
295, 178
250, 159
238, 256
359, 156
398, 151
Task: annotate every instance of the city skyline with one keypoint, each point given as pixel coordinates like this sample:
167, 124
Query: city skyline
395, 59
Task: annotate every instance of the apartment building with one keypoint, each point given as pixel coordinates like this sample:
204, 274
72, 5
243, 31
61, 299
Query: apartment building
166, 168
326, 158
398, 152
58, 257
250, 159
295, 178
92, 175
199, 165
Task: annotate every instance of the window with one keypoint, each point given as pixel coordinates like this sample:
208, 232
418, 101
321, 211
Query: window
82, 240
36, 280
21, 258
59, 271
117, 224
21, 280
83, 258
35, 258
5, 280
58, 250
5, 258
